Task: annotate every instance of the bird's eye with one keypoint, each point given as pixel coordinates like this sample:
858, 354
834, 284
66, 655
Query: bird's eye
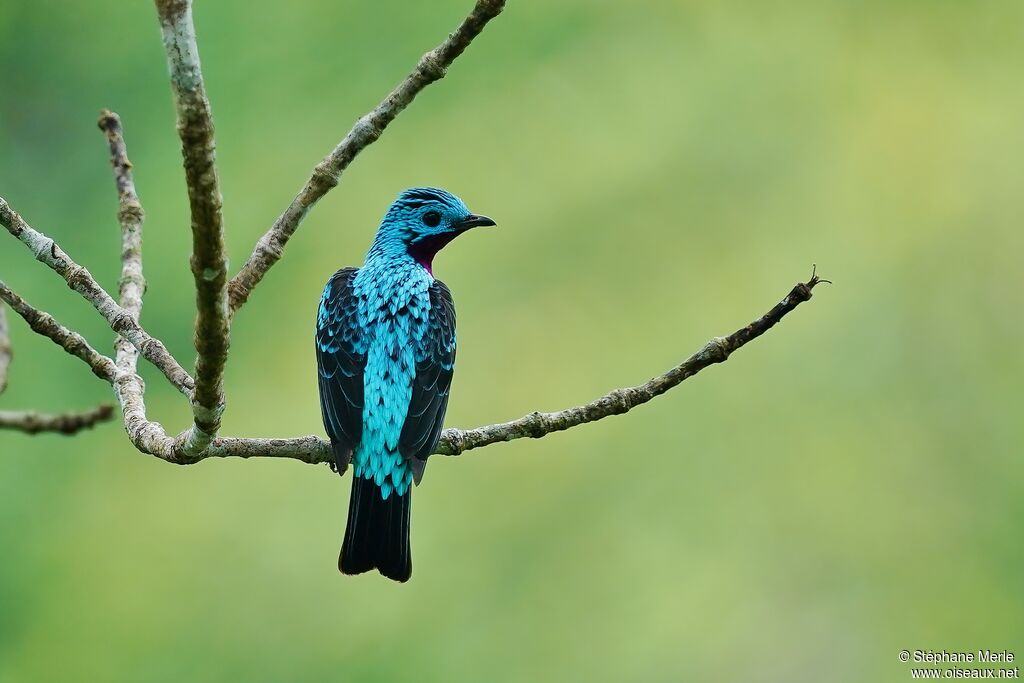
432, 218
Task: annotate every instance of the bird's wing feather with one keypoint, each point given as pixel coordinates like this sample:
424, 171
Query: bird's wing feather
435, 363
341, 358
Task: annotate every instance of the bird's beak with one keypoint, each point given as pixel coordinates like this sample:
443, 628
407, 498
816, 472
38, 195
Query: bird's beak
473, 221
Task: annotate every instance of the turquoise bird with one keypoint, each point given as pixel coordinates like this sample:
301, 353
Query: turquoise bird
385, 350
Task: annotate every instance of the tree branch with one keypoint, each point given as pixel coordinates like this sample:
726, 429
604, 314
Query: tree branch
132, 284
5, 349
72, 342
81, 280
313, 450
209, 270
209, 262
32, 422
29, 421
536, 425
431, 67
148, 437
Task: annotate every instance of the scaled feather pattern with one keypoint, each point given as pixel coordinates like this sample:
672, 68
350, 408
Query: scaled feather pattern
385, 345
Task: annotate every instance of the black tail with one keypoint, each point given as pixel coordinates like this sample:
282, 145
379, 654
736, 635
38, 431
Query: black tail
377, 534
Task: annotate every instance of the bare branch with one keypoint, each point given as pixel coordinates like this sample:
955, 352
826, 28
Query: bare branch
536, 425
130, 215
312, 449
81, 280
308, 449
209, 270
209, 262
29, 421
5, 348
72, 342
32, 422
148, 437
431, 67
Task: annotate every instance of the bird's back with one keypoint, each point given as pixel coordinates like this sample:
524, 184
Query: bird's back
386, 355
394, 312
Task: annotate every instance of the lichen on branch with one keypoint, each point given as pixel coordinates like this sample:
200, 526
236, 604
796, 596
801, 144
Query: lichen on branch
209, 260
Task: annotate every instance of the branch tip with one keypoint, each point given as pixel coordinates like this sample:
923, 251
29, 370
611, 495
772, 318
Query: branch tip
108, 121
430, 68
815, 279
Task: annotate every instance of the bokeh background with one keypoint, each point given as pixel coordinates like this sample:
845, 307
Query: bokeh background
846, 487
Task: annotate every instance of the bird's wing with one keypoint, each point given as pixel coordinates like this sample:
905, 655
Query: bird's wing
435, 363
340, 359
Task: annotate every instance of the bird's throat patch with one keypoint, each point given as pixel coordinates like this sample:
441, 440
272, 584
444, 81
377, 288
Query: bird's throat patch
425, 249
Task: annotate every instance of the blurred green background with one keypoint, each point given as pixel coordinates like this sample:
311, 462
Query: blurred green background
662, 172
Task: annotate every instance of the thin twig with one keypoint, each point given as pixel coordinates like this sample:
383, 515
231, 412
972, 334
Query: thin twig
431, 67
5, 348
536, 425
31, 422
209, 261
81, 280
129, 388
72, 342
148, 437
130, 215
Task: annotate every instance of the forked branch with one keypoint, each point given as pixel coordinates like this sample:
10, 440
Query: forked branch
72, 342
81, 280
432, 67
217, 298
30, 421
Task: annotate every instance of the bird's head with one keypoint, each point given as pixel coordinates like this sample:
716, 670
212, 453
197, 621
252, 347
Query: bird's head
423, 220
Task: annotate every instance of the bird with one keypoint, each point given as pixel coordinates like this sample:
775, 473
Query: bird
385, 350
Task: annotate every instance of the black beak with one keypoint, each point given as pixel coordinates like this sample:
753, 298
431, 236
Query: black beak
474, 221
